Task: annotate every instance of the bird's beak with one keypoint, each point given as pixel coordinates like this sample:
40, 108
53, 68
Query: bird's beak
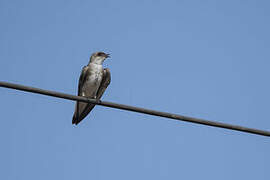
108, 55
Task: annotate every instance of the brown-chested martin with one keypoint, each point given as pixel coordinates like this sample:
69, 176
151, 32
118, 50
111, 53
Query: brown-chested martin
94, 80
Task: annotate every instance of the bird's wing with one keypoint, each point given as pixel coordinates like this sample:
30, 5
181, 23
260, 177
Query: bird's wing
80, 106
106, 79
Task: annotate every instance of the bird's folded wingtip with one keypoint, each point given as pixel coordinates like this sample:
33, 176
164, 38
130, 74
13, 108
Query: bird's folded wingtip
74, 120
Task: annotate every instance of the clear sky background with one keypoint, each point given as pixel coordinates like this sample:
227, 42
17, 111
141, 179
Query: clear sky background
206, 59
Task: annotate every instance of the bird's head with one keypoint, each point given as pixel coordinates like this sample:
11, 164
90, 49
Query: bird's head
98, 57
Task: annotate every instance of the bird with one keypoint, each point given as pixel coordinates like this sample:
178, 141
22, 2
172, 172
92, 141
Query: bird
93, 82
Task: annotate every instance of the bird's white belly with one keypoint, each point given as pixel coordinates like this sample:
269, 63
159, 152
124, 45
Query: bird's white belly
92, 84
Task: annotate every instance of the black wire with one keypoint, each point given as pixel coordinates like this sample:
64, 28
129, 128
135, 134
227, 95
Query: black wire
134, 109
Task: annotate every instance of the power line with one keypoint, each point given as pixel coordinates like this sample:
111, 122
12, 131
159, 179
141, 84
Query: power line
134, 109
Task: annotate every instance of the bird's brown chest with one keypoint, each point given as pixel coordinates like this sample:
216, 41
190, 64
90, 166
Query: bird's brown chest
93, 79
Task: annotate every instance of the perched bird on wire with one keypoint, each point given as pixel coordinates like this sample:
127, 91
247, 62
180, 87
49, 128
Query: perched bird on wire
94, 80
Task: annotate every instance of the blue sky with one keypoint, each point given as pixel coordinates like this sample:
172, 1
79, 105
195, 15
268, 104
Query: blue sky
206, 59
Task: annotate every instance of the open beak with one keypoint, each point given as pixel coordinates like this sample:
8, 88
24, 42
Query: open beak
108, 55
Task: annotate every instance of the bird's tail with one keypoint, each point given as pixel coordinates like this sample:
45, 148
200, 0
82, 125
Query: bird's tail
81, 111
74, 119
